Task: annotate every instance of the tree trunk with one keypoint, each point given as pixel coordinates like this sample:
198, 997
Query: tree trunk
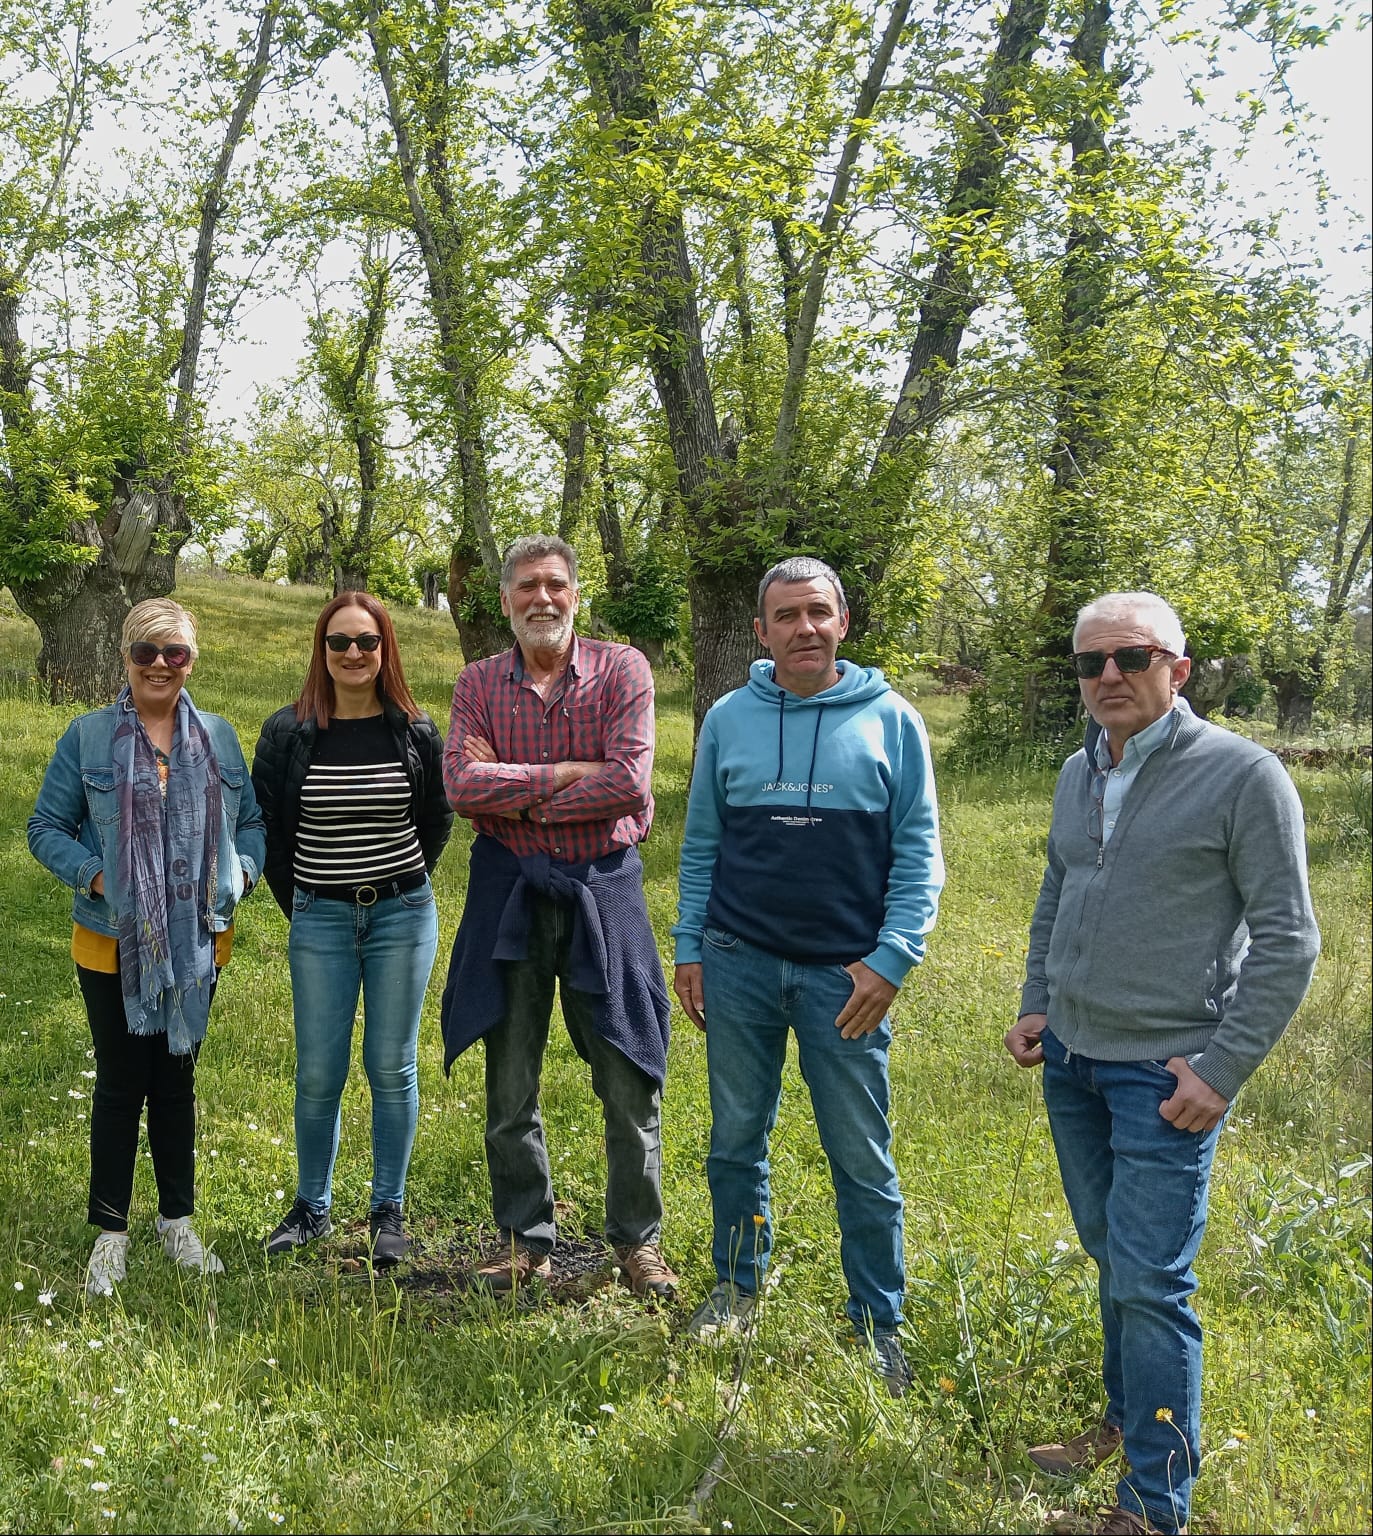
429, 587
609, 528
80, 609
812, 295
1295, 693
439, 231
327, 563
949, 300
574, 475
719, 563
579, 424
722, 637
620, 575
79, 612
1082, 435
480, 633
1212, 682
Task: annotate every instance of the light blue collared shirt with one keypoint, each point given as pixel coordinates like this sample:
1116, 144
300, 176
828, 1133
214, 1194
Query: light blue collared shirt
1140, 747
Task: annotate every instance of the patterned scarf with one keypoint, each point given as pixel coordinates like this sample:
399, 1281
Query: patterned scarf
168, 875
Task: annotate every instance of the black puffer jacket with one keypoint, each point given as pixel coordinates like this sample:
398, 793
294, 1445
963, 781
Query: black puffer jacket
282, 759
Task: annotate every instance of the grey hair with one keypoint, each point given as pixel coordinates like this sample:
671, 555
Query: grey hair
1147, 609
800, 568
158, 618
537, 546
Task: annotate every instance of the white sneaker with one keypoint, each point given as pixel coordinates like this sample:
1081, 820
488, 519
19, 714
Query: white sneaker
108, 1264
180, 1243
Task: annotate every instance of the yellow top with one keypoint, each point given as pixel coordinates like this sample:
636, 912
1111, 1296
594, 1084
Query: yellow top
100, 951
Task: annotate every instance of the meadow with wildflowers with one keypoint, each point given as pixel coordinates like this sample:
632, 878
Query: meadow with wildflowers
313, 1395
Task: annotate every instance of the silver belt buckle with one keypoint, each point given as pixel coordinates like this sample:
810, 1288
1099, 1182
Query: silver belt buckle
366, 896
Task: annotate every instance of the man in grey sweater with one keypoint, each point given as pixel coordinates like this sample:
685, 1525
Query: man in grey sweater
1172, 942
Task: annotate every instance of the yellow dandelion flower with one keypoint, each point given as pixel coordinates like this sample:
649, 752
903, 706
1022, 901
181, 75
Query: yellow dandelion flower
1240, 1434
947, 1384
758, 1219
1164, 1415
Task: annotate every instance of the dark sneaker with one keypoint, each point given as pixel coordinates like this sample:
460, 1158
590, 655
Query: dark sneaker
1083, 1453
303, 1224
510, 1267
389, 1242
726, 1310
644, 1270
889, 1363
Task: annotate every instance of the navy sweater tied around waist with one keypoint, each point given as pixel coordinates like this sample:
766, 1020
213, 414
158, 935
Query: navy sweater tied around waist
613, 957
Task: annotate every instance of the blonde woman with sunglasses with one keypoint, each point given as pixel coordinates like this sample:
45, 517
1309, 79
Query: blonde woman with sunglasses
148, 813
350, 778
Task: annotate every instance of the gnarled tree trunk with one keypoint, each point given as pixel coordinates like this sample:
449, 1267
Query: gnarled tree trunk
79, 608
480, 633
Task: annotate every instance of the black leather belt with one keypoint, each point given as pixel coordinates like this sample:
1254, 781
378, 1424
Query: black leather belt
368, 895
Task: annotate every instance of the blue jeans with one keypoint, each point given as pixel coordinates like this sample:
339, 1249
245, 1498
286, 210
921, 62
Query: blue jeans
386, 951
1137, 1189
752, 998
516, 1154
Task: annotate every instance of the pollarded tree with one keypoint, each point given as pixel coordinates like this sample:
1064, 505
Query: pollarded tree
793, 473
101, 429
428, 55
1163, 352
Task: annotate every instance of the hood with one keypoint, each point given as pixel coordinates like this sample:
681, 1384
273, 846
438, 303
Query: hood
856, 685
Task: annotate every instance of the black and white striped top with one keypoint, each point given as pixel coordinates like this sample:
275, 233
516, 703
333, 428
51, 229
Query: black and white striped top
355, 822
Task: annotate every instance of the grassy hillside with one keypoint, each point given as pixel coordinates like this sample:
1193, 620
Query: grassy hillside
312, 1396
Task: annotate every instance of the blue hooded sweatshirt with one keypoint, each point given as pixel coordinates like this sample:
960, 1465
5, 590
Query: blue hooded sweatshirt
812, 829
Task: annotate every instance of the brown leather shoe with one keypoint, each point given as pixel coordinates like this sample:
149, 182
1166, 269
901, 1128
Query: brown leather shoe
1125, 1522
645, 1271
1080, 1454
508, 1268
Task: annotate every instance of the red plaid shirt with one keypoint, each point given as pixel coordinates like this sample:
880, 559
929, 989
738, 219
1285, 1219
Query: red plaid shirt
601, 710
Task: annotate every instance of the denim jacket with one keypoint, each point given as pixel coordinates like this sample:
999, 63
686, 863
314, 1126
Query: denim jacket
74, 829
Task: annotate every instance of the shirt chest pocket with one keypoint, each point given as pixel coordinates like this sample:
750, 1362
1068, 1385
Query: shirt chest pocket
560, 733
584, 727
231, 792
101, 801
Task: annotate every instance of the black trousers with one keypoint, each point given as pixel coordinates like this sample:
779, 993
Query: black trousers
131, 1070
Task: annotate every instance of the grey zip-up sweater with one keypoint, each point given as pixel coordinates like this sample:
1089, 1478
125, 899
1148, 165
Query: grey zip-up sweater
1190, 933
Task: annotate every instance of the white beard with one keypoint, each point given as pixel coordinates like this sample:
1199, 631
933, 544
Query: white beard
544, 635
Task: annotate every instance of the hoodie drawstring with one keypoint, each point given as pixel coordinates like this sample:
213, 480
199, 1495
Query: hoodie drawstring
781, 748
814, 753
781, 735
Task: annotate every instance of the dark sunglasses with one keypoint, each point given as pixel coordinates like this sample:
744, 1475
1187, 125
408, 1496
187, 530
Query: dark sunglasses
1129, 658
143, 653
340, 643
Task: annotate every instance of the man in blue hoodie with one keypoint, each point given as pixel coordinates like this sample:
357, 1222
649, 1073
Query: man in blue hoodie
810, 876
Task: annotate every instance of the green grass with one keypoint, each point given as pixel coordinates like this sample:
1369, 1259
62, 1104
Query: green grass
310, 1396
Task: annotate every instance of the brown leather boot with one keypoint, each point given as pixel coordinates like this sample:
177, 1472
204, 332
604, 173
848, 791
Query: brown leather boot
1080, 1454
1125, 1522
645, 1271
509, 1267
